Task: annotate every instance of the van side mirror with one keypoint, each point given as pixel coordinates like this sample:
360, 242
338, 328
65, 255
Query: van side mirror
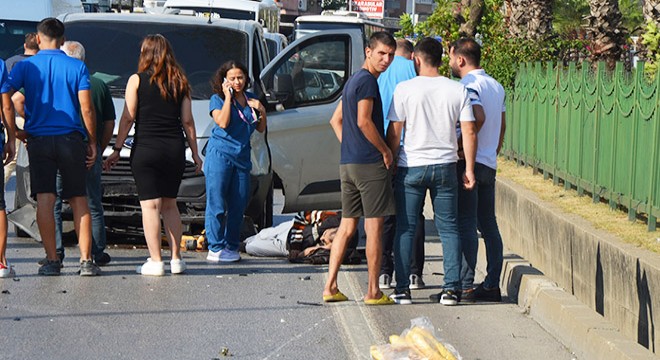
282, 90
283, 84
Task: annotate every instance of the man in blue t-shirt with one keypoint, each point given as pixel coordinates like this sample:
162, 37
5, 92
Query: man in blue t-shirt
56, 88
7, 152
366, 188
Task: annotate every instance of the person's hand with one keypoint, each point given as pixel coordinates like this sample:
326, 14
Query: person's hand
91, 155
198, 163
227, 89
9, 152
21, 135
111, 161
388, 159
469, 180
257, 105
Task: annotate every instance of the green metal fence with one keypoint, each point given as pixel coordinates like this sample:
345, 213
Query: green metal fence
595, 130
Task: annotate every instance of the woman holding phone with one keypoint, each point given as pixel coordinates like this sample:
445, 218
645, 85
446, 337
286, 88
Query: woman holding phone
227, 165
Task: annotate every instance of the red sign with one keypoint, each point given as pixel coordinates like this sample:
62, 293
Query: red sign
373, 9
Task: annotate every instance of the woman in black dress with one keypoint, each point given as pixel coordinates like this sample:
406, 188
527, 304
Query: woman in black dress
158, 101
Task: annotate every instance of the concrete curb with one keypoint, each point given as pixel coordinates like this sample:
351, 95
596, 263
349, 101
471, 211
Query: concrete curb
578, 327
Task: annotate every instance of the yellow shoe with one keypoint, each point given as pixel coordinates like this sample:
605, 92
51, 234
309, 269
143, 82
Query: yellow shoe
335, 298
384, 300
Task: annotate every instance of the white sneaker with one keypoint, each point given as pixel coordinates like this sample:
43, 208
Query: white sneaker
177, 266
6, 271
152, 268
227, 255
213, 256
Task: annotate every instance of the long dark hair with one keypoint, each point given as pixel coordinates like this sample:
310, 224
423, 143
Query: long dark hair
221, 74
157, 58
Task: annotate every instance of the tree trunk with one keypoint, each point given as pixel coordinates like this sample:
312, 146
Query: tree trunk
651, 11
468, 16
539, 26
607, 34
518, 18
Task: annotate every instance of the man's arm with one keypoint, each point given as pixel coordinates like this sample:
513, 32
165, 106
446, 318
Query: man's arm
108, 129
469, 131
479, 116
368, 128
19, 103
336, 121
89, 119
9, 114
10, 146
394, 137
502, 131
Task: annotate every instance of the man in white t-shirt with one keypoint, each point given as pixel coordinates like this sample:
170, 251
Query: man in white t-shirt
426, 110
477, 207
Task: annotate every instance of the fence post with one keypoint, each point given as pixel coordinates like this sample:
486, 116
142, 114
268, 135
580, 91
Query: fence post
652, 220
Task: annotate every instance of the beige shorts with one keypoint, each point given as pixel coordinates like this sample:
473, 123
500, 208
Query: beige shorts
366, 190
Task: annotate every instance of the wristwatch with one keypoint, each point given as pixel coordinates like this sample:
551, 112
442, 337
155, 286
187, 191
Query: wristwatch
117, 149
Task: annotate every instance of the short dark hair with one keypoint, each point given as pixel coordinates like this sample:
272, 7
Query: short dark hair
405, 44
469, 49
51, 27
31, 41
430, 50
381, 37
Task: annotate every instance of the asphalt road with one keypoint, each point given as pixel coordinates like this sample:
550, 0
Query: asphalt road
260, 308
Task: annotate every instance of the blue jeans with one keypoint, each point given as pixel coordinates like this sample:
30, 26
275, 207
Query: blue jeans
227, 195
482, 204
94, 195
410, 186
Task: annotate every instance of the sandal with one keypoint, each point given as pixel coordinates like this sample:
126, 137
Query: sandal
384, 300
335, 298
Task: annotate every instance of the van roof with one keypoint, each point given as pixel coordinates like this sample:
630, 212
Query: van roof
243, 25
223, 4
36, 10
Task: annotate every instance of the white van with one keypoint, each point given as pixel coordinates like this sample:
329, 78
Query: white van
265, 12
19, 17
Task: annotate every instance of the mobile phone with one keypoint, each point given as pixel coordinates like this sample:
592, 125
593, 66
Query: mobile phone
231, 89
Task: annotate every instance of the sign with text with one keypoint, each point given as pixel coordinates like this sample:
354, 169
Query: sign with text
372, 9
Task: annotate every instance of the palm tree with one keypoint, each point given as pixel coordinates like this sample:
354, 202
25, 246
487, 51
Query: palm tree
530, 19
518, 17
651, 11
540, 21
608, 36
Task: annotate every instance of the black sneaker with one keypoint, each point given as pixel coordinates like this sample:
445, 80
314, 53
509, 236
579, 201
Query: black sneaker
59, 255
50, 268
88, 268
416, 282
448, 297
467, 296
401, 297
481, 293
103, 259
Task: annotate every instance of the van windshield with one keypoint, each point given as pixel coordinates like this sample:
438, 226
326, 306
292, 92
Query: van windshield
112, 50
12, 36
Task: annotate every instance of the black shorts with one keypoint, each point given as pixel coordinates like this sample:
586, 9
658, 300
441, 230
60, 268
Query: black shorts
63, 153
